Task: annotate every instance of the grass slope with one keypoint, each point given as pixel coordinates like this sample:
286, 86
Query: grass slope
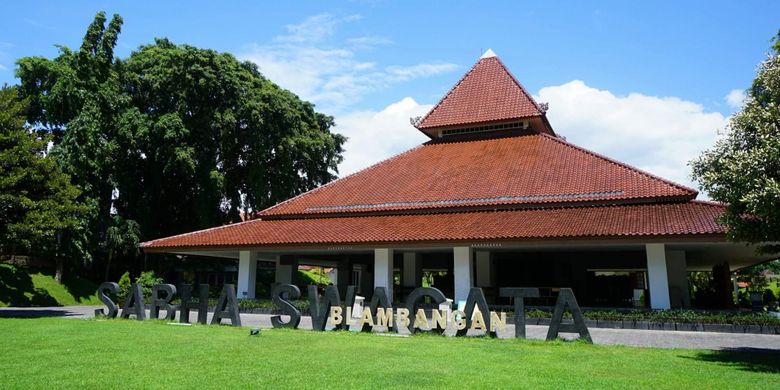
22, 287
68, 353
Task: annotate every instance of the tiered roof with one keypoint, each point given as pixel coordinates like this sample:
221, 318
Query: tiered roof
514, 183
515, 169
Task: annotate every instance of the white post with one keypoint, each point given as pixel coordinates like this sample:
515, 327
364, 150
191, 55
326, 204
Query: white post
484, 269
657, 276
677, 271
247, 274
383, 269
462, 272
411, 278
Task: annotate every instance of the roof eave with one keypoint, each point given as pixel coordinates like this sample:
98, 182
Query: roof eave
506, 242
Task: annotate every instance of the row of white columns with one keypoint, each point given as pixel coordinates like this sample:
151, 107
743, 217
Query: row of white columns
383, 271
666, 273
463, 267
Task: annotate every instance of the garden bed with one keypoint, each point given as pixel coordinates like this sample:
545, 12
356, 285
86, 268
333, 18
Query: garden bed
677, 320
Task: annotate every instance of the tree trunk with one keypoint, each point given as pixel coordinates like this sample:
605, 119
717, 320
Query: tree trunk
721, 276
108, 263
60, 267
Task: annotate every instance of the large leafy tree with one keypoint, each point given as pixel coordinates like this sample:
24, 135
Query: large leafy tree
743, 169
38, 203
174, 137
208, 137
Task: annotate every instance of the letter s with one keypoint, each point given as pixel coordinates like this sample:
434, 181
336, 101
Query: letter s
113, 309
282, 303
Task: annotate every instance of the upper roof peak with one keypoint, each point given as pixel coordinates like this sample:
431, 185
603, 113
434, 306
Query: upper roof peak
488, 53
487, 97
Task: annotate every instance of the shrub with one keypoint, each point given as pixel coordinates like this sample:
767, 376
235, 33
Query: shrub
147, 280
124, 288
249, 304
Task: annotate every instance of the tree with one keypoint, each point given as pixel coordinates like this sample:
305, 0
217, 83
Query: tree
208, 138
77, 98
123, 237
38, 204
756, 275
743, 168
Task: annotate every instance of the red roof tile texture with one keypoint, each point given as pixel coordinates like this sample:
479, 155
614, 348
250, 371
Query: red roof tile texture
527, 169
487, 93
675, 219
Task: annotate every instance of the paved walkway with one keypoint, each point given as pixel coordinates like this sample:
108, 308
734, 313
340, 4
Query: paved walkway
639, 338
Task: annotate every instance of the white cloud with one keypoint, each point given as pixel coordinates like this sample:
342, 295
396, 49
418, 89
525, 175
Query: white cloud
375, 136
330, 75
369, 42
657, 134
2, 67
314, 28
736, 98
404, 73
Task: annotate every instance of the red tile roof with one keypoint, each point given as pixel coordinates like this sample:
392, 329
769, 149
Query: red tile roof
487, 93
649, 220
518, 169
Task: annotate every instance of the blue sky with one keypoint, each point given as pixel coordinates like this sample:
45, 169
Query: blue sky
372, 64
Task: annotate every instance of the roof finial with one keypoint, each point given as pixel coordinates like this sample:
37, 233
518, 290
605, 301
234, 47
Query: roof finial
489, 53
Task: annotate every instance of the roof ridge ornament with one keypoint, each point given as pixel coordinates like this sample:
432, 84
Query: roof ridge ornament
489, 53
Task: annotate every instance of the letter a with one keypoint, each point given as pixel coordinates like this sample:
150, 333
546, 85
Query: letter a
566, 299
476, 299
227, 307
379, 301
134, 303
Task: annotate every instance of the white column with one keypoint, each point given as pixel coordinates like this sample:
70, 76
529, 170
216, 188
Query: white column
462, 272
657, 276
247, 274
677, 271
383, 269
484, 269
411, 278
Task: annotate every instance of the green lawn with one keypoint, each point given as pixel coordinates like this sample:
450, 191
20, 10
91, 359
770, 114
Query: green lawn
70, 353
23, 287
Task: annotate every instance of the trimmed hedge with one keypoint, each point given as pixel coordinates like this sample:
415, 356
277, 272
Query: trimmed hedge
671, 316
